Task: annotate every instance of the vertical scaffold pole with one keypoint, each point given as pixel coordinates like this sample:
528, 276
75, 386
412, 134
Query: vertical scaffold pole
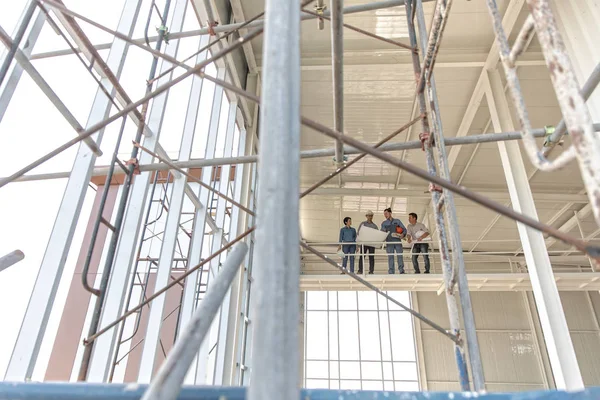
437, 203
450, 209
276, 311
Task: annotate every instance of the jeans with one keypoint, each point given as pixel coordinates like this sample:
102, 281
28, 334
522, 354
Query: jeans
349, 250
420, 248
390, 247
371, 251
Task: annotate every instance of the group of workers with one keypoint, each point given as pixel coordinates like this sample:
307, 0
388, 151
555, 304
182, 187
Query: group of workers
415, 233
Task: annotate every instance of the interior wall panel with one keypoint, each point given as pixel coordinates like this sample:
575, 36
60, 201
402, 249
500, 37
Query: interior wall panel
510, 356
581, 311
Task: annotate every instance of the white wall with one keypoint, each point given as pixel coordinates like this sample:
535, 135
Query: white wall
512, 348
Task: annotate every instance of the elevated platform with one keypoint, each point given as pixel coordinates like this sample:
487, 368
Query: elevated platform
92, 391
498, 282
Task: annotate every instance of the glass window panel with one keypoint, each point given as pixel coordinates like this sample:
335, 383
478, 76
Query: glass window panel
387, 371
371, 370
350, 370
317, 384
316, 369
388, 385
332, 300
372, 385
334, 371
385, 335
316, 300
350, 385
333, 336
347, 300
348, 337
407, 386
334, 384
401, 297
369, 336
403, 347
405, 371
367, 300
316, 340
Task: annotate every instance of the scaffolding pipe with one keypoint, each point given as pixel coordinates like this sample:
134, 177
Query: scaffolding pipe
169, 380
459, 273
436, 197
132, 106
10, 259
378, 5
12, 49
276, 311
382, 293
167, 287
561, 127
47, 90
591, 250
307, 154
123, 201
337, 66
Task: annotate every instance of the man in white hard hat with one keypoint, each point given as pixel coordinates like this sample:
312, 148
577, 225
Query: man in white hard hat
367, 249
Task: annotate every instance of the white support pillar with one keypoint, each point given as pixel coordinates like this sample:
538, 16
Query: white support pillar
171, 230
27, 44
191, 283
217, 242
104, 345
554, 324
33, 327
225, 340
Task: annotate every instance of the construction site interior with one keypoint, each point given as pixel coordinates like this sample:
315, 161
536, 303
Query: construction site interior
177, 179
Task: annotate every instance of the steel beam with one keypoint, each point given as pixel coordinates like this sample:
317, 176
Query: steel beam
33, 73
223, 329
104, 346
34, 324
554, 324
200, 217
171, 230
202, 376
11, 83
239, 224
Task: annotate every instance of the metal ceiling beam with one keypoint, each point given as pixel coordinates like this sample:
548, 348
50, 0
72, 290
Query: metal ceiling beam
206, 11
421, 192
572, 222
508, 22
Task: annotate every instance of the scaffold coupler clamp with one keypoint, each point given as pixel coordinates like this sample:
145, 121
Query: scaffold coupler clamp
164, 31
549, 131
320, 9
435, 188
343, 161
424, 138
136, 165
211, 27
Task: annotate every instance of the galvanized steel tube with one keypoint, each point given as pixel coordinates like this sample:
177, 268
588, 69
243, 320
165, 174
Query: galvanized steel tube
276, 287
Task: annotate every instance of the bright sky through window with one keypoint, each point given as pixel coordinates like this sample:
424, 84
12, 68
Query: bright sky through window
358, 340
